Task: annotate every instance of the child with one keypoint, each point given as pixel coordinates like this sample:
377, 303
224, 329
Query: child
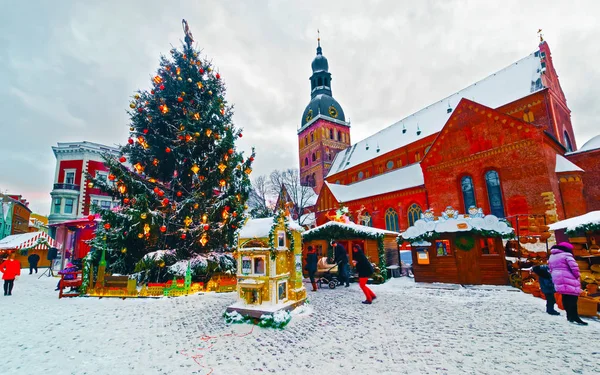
69, 268
547, 288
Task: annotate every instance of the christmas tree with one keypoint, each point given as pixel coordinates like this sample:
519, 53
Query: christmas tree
181, 183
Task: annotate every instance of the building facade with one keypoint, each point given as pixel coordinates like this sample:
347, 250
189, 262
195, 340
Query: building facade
19, 213
6, 216
504, 144
72, 194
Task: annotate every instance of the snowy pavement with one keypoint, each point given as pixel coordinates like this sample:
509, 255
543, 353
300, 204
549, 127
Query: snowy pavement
409, 329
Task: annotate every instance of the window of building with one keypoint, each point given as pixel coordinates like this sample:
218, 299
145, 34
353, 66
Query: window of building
306, 161
468, 192
69, 177
494, 191
390, 164
102, 176
282, 291
417, 157
339, 138
330, 133
259, 265
314, 157
367, 220
320, 82
337, 182
391, 220
57, 202
361, 175
488, 246
280, 239
442, 248
329, 156
528, 116
568, 145
68, 206
414, 214
305, 141
105, 205
312, 137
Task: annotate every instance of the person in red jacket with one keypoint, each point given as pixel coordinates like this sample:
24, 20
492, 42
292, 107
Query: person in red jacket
10, 269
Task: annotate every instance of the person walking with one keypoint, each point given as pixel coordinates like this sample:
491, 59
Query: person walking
33, 260
311, 266
341, 259
565, 275
11, 269
547, 287
365, 270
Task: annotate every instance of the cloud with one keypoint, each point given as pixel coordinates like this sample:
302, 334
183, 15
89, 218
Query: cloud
69, 67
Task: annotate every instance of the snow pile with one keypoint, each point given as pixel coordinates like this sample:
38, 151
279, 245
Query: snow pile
279, 319
459, 224
158, 255
233, 317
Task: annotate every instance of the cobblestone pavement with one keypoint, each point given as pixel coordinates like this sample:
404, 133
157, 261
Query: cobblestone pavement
409, 329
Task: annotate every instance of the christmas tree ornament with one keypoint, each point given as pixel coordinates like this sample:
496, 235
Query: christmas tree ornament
208, 132
131, 129
204, 218
111, 177
140, 235
178, 70
143, 216
222, 183
163, 108
122, 189
156, 190
218, 76
204, 239
199, 84
161, 193
167, 150
147, 230
155, 162
152, 92
140, 109
138, 167
145, 131
196, 205
136, 96
163, 229
188, 137
230, 151
251, 159
248, 171
189, 80
158, 79
181, 128
162, 87
90, 185
201, 70
132, 105
123, 250
209, 69
195, 169
222, 167
165, 201
187, 221
209, 92
179, 194
183, 236
206, 227
225, 215
234, 214
122, 159
201, 178
196, 134
196, 116
180, 99
126, 200
179, 78
107, 226
130, 141
240, 135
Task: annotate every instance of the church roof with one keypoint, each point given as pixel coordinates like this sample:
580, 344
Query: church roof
592, 144
516, 81
399, 179
564, 165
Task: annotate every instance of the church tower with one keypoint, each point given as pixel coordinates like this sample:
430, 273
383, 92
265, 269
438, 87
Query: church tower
323, 129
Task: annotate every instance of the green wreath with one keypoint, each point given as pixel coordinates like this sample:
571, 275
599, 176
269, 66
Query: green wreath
464, 242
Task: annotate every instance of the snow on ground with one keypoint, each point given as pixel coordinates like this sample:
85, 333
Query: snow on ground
410, 329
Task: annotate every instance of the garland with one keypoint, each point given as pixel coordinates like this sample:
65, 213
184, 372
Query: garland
591, 227
280, 217
278, 320
85, 275
464, 242
382, 260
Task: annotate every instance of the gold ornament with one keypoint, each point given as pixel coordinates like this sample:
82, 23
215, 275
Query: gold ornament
223, 183
161, 264
132, 105
131, 129
143, 216
182, 128
222, 167
199, 84
179, 79
136, 96
196, 116
122, 189
208, 132
187, 221
209, 69
195, 169
140, 235
248, 171
196, 134
138, 167
157, 80
209, 92
204, 239
196, 205
163, 108
239, 167
178, 70
146, 229
225, 215
204, 218
90, 185
183, 93
189, 80
124, 250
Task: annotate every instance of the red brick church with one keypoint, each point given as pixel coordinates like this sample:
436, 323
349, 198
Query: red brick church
505, 144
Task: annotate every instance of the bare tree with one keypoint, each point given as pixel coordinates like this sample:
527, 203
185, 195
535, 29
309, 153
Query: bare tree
259, 201
287, 187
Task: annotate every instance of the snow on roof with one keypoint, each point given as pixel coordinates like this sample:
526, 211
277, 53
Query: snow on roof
398, 179
260, 228
518, 80
311, 201
574, 222
352, 226
21, 241
308, 219
564, 165
592, 144
458, 224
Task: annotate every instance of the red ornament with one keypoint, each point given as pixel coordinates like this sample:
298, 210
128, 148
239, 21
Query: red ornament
206, 227
91, 217
163, 229
218, 76
251, 159
111, 177
180, 99
233, 226
107, 226
201, 71
130, 141
161, 193
152, 92
227, 208
230, 151
240, 135
126, 200
165, 201
167, 150
234, 214
125, 233
145, 131
183, 236
162, 87
122, 159
179, 194
140, 109
156, 190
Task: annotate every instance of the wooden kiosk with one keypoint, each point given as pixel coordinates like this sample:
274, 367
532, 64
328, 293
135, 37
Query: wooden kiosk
269, 269
458, 249
379, 245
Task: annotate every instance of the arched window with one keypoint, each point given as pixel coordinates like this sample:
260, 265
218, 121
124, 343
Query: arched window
417, 157
314, 180
312, 84
314, 157
312, 137
468, 192
414, 214
320, 81
568, 144
339, 136
306, 161
361, 175
330, 133
492, 181
391, 220
305, 141
528, 116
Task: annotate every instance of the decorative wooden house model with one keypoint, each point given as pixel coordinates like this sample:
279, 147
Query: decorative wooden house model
269, 271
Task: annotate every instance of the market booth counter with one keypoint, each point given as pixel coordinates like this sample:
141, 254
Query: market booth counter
458, 249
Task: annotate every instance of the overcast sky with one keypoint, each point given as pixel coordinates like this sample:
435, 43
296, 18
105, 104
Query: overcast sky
68, 68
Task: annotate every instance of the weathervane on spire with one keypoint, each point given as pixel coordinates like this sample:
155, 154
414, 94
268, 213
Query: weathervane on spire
319, 37
541, 35
189, 38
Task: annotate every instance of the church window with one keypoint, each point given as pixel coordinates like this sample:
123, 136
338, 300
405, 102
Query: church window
414, 214
326, 81
417, 157
391, 220
331, 133
312, 137
361, 175
568, 144
320, 82
528, 116
305, 161
427, 150
314, 157
329, 156
312, 84
468, 192
494, 192
305, 141
339, 138
390, 164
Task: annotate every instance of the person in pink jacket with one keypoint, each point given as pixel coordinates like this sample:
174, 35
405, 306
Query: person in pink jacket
565, 276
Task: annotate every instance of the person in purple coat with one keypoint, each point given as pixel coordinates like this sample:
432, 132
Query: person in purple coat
565, 276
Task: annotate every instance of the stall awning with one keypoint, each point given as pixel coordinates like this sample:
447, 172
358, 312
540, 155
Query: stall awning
39, 241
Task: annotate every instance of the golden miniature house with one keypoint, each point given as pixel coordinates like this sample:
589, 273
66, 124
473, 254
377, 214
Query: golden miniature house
269, 269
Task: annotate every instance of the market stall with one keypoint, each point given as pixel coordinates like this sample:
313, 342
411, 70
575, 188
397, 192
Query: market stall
460, 249
72, 237
26, 244
379, 245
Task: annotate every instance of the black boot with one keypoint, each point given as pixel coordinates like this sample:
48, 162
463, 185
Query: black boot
553, 312
579, 321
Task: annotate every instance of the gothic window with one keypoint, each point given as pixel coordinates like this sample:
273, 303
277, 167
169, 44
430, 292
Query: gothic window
492, 181
417, 157
314, 157
329, 156
305, 141
312, 84
305, 161
320, 82
312, 137
568, 144
391, 220
331, 133
468, 192
414, 214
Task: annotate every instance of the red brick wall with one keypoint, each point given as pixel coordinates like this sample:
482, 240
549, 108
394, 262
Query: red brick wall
571, 190
590, 162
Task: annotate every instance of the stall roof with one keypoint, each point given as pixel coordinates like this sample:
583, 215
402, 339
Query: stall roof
260, 228
458, 224
25, 240
369, 231
574, 222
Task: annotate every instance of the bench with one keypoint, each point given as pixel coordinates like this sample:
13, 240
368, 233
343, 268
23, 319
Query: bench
73, 283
